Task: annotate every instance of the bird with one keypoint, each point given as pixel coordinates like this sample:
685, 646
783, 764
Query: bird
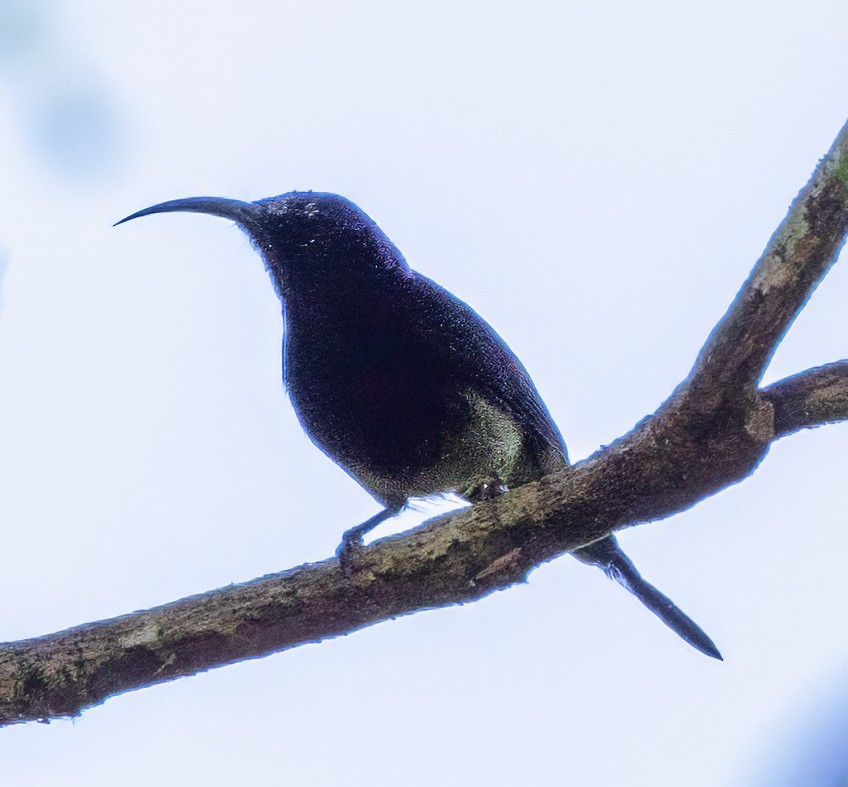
397, 380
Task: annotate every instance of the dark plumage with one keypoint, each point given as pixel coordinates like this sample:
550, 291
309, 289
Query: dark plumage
398, 381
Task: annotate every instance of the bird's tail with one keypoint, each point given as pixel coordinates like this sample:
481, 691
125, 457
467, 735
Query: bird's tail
608, 556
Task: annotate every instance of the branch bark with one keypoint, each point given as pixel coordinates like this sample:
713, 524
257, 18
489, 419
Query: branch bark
712, 432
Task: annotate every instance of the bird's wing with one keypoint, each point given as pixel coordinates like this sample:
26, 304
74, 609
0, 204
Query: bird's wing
474, 351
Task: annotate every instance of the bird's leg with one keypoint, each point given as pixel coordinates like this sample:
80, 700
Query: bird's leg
607, 555
351, 542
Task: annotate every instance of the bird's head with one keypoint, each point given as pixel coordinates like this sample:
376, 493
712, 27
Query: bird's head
306, 238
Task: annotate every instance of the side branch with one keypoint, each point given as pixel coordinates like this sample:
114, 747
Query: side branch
812, 398
796, 259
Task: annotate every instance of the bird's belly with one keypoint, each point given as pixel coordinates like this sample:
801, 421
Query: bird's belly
402, 434
385, 424
490, 447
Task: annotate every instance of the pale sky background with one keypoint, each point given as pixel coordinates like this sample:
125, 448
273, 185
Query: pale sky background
596, 180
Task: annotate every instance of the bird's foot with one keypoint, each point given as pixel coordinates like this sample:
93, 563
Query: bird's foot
351, 546
484, 489
348, 551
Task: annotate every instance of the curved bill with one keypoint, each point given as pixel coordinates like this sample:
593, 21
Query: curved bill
236, 210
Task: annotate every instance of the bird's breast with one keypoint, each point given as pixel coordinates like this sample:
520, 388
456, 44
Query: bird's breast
369, 400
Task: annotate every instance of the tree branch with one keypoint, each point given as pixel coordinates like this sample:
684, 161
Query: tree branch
796, 259
712, 432
812, 398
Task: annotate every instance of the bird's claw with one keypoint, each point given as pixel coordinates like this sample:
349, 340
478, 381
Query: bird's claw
485, 489
348, 553
349, 550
